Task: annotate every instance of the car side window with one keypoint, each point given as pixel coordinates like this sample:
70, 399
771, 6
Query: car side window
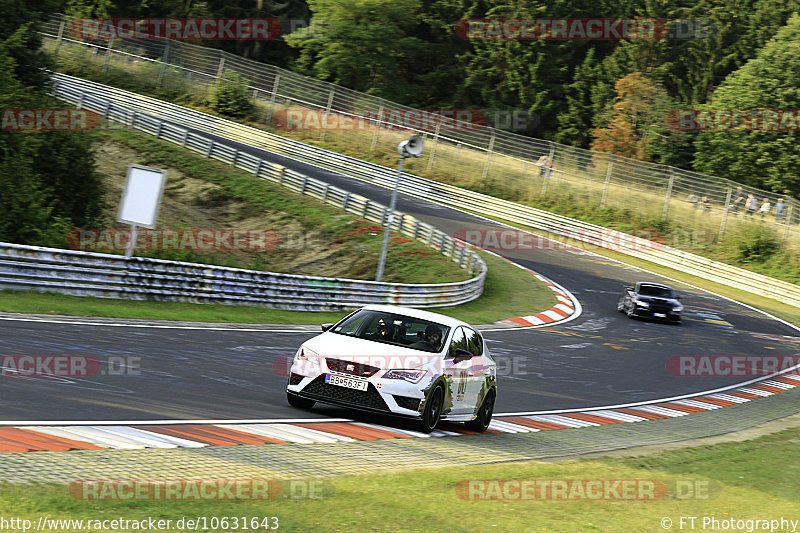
474, 342
459, 341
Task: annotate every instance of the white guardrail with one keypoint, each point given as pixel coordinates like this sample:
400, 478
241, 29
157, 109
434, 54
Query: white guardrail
115, 276
125, 106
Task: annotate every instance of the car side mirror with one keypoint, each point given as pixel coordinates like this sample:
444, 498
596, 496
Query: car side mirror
462, 355
326, 327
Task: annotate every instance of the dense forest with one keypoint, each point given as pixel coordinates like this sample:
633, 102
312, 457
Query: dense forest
613, 95
610, 95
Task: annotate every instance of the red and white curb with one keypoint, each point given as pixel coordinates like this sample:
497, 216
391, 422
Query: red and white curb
568, 307
50, 436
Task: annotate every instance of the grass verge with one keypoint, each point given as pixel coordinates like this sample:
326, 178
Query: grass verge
750, 480
509, 291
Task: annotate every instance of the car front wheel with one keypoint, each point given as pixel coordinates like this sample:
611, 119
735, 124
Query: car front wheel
433, 410
481, 422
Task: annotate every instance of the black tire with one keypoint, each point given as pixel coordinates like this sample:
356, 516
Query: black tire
481, 422
433, 410
297, 401
630, 312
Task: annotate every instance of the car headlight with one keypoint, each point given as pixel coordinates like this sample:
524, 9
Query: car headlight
640, 303
306, 362
678, 308
412, 376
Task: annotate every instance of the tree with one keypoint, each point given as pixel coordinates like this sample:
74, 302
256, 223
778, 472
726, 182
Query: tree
229, 95
767, 159
636, 120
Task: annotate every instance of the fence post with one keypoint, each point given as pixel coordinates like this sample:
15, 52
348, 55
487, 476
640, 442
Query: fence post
609, 169
788, 220
377, 128
488, 157
221, 67
60, 36
272, 96
108, 54
325, 115
163, 65
435, 141
725, 209
669, 192
548, 167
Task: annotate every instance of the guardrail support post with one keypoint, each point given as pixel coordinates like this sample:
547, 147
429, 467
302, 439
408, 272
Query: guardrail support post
258, 168
324, 193
669, 193
303, 185
441, 243
185, 138
210, 148
366, 207
345, 201
235, 157
415, 231
158, 129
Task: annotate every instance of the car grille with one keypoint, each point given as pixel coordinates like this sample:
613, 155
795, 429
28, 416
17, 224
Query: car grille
407, 403
295, 379
369, 398
351, 368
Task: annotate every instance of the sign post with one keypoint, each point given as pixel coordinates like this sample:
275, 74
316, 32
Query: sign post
141, 200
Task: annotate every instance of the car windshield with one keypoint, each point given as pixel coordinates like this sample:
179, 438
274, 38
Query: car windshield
391, 328
654, 290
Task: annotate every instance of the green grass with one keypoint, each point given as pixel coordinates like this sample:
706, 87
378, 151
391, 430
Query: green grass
754, 479
509, 291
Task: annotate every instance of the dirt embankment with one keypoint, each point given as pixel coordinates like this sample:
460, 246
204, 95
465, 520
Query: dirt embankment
195, 204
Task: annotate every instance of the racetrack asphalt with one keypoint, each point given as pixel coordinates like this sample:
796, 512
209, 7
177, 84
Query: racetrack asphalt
601, 358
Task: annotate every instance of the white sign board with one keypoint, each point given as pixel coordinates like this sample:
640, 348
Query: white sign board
141, 198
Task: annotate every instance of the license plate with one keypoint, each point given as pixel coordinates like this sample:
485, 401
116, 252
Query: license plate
350, 383
660, 315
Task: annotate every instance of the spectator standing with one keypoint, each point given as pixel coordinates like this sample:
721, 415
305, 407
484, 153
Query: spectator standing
752, 205
765, 208
542, 162
738, 201
706, 205
693, 199
780, 210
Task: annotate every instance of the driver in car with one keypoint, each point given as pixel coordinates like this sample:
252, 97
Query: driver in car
430, 343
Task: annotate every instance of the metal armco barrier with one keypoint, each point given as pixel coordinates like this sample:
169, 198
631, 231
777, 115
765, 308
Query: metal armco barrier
127, 107
114, 276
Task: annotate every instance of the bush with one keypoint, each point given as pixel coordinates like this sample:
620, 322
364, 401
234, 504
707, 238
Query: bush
757, 243
229, 95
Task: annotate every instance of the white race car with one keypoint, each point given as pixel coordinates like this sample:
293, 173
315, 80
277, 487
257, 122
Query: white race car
399, 361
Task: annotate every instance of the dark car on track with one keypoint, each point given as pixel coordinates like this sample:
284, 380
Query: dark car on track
651, 300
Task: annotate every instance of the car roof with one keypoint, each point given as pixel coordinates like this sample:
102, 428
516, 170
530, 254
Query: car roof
653, 284
418, 313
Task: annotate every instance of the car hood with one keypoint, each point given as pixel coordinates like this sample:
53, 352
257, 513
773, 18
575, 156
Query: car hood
350, 348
